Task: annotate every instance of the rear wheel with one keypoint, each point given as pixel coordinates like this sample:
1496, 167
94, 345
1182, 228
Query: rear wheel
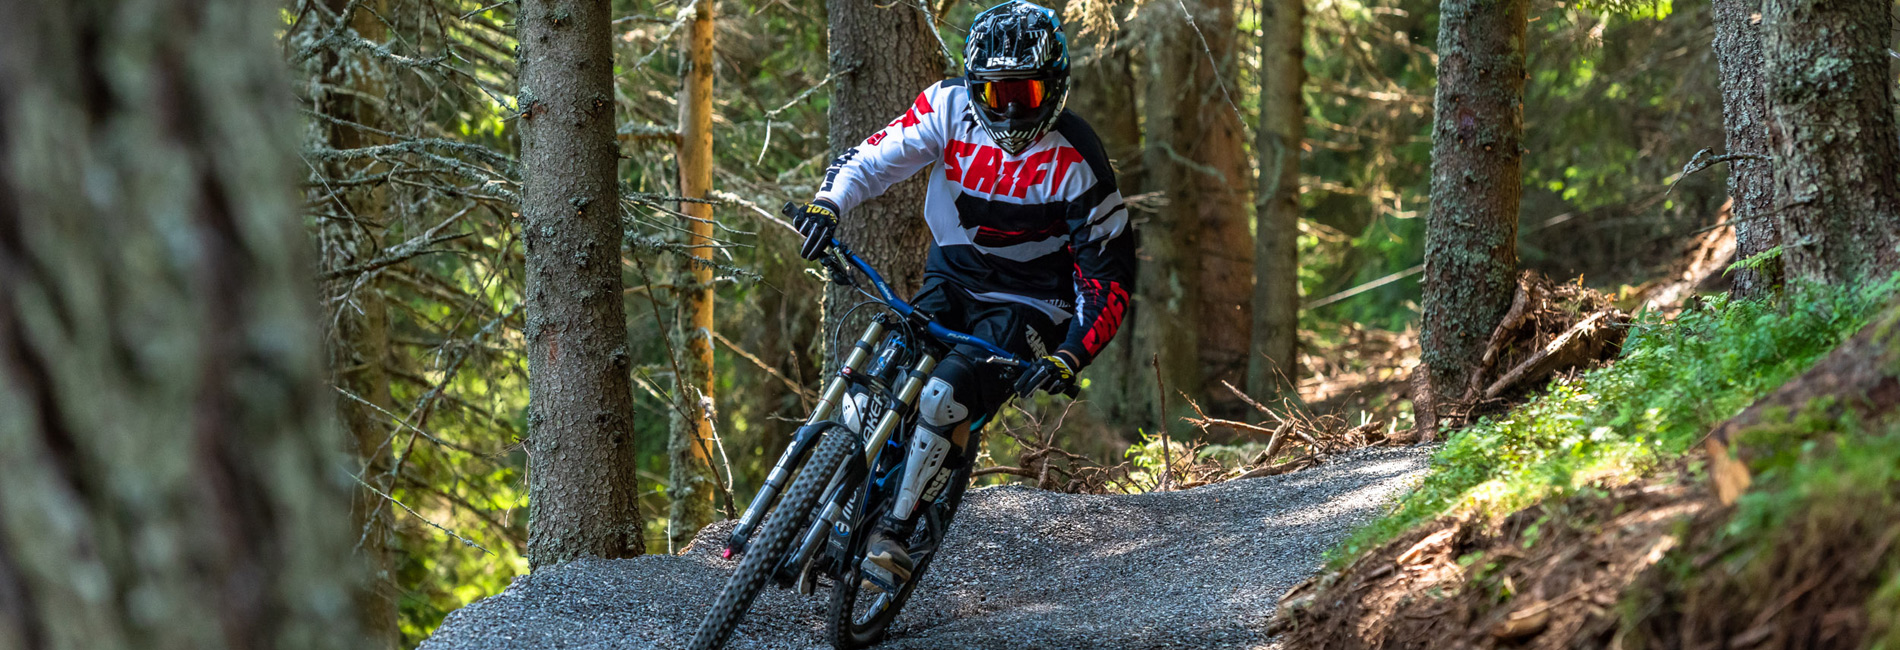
790, 518
860, 618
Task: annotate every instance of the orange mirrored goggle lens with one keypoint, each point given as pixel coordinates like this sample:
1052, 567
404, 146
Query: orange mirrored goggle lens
1000, 94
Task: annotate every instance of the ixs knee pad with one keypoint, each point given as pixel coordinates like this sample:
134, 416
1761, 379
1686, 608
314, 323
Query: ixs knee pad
925, 476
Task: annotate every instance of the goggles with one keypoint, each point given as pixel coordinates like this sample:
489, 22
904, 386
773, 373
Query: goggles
998, 95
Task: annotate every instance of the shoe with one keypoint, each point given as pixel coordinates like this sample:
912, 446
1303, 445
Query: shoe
886, 565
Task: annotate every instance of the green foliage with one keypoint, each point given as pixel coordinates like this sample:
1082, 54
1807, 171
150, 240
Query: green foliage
1153, 455
1757, 262
1825, 504
1675, 380
1620, 93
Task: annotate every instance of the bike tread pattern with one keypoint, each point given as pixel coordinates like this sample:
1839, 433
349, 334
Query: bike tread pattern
846, 592
770, 542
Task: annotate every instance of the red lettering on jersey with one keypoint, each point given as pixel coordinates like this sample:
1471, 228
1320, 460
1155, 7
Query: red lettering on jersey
953, 156
916, 113
1033, 172
1065, 156
876, 138
1006, 179
981, 176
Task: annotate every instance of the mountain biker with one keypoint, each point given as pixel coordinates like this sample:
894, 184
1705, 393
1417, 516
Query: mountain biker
1031, 242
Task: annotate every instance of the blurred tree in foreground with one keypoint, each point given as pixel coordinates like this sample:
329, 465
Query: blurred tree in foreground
168, 472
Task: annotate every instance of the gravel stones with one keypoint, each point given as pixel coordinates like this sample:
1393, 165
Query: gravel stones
1022, 568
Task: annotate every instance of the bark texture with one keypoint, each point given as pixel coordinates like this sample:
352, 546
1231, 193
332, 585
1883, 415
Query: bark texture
358, 327
689, 450
580, 401
1103, 91
882, 55
1273, 367
1751, 183
169, 472
1837, 154
1195, 284
1471, 235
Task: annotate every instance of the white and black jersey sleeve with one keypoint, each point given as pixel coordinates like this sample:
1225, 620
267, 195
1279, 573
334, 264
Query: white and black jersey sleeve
908, 144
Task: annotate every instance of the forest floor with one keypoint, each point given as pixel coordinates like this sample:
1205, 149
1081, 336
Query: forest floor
1023, 568
1733, 481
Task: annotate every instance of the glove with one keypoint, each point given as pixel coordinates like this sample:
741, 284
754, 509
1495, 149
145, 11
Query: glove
817, 221
1050, 373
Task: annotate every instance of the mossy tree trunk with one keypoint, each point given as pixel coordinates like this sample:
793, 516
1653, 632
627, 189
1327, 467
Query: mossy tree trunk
1104, 92
882, 55
1831, 125
693, 483
1273, 368
357, 322
582, 494
169, 469
1196, 279
1471, 235
1751, 182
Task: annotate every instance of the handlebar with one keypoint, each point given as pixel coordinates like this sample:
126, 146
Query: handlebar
886, 295
840, 251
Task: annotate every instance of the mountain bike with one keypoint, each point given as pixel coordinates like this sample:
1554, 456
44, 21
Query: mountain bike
843, 467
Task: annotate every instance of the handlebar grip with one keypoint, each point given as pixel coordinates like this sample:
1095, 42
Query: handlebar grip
1072, 392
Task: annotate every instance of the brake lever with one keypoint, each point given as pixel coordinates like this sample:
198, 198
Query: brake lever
840, 275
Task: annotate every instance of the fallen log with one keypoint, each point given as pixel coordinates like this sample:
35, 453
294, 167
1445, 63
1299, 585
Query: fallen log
1585, 342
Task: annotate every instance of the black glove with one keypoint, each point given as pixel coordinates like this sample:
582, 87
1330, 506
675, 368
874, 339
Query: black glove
1051, 373
817, 221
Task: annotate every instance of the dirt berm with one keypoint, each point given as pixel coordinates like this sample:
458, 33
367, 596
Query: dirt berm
1199, 568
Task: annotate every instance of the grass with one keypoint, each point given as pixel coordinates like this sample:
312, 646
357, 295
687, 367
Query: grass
1674, 381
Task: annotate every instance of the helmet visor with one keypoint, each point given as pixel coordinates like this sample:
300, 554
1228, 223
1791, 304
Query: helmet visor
998, 95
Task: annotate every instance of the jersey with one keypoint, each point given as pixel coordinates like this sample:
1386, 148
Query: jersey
1045, 228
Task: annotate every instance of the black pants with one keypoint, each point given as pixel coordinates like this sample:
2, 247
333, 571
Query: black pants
1025, 331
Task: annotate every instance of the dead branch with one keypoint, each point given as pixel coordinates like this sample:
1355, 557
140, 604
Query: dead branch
1282, 468
1167, 463
1583, 343
805, 396
1250, 401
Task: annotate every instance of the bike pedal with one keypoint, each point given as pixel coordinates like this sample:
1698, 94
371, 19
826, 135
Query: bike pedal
877, 580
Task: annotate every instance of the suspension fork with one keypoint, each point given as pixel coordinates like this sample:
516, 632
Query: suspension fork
803, 440
835, 497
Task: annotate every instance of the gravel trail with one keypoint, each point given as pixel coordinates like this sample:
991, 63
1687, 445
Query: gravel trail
1022, 568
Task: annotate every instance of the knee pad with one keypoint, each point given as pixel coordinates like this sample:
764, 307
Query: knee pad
938, 407
938, 412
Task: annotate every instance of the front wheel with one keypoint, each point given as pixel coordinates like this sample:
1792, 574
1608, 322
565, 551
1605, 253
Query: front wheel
860, 619
768, 547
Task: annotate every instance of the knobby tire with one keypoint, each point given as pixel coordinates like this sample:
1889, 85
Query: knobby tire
843, 633
762, 556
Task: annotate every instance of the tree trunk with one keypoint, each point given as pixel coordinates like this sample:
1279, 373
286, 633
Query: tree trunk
1197, 262
1274, 368
1104, 93
882, 55
359, 330
580, 402
1471, 235
169, 472
1831, 126
694, 485
1751, 183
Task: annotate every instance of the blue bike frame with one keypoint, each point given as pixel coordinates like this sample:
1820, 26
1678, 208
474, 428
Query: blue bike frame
807, 435
903, 308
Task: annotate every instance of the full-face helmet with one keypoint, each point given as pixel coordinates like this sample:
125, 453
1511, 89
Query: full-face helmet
1016, 66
